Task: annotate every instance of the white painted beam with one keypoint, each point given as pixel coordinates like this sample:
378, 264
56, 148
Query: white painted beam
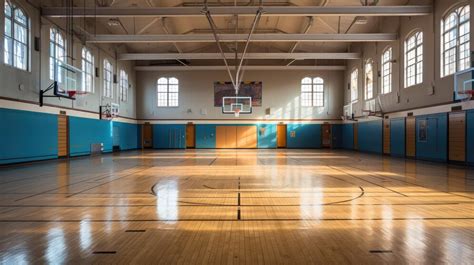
240, 11
223, 68
251, 56
270, 37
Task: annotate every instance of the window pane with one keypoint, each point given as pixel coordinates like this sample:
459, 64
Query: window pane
173, 81
306, 88
162, 99
20, 34
354, 85
318, 80
8, 53
173, 99
306, 99
8, 10
306, 80
20, 56
163, 81
8, 27
162, 88
319, 88
20, 16
173, 88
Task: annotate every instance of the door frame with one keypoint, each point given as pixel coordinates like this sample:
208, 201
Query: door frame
189, 125
143, 136
328, 125
285, 130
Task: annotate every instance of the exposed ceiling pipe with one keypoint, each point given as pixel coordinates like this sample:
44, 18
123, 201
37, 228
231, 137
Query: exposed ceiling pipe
254, 25
213, 26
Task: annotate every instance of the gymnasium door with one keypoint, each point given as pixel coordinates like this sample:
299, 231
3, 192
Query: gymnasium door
281, 136
63, 133
457, 136
190, 135
326, 128
411, 136
147, 135
236, 137
386, 136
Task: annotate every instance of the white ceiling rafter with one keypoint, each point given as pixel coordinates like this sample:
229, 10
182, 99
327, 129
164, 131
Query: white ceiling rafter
409, 10
175, 38
253, 67
249, 56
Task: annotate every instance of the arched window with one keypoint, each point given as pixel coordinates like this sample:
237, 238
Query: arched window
108, 79
414, 59
387, 71
312, 92
168, 92
354, 85
369, 80
57, 53
16, 37
123, 86
455, 45
87, 71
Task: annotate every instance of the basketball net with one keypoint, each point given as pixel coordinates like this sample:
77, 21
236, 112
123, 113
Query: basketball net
237, 113
74, 93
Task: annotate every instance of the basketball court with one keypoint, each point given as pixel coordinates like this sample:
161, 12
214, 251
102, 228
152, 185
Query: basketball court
236, 132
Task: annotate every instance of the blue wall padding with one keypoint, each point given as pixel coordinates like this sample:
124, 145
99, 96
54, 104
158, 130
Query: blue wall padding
470, 136
348, 136
305, 136
337, 138
370, 136
27, 136
169, 136
267, 136
139, 136
128, 137
83, 132
206, 136
434, 146
397, 137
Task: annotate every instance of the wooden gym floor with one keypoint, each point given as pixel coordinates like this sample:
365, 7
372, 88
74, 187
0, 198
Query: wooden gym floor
237, 207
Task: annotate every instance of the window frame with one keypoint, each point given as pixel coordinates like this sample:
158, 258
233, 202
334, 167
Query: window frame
165, 97
108, 79
354, 85
315, 96
87, 71
56, 47
456, 48
10, 56
387, 71
124, 85
366, 84
418, 59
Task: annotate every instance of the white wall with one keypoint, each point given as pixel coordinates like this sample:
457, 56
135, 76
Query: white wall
37, 76
281, 93
415, 96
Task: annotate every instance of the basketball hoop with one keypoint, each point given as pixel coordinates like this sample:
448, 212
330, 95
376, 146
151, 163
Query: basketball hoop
469, 94
73, 93
237, 113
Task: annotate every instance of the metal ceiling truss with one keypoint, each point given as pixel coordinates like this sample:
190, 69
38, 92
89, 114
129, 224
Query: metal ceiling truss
239, 71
